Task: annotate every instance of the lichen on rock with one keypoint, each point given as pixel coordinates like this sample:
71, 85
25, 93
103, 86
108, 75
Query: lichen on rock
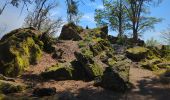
19, 49
116, 77
92, 68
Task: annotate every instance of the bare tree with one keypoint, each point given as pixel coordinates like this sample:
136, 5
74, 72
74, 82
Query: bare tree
40, 17
15, 3
166, 36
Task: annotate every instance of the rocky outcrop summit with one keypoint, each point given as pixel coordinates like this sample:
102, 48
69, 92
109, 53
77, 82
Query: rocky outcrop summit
38, 60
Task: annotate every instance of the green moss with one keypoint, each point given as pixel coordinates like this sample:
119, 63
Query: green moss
151, 64
100, 32
111, 62
95, 69
91, 67
81, 44
86, 52
19, 50
137, 53
137, 50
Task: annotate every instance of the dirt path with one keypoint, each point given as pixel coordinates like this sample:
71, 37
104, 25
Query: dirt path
147, 86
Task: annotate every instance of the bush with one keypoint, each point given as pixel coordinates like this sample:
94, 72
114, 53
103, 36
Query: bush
152, 42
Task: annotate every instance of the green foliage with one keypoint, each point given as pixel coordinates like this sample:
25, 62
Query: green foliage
72, 11
121, 40
152, 42
137, 11
114, 14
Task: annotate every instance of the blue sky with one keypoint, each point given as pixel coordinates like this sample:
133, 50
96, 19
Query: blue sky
11, 16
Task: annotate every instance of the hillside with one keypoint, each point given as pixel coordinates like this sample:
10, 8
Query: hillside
82, 64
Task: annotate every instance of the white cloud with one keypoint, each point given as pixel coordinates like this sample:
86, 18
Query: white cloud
88, 17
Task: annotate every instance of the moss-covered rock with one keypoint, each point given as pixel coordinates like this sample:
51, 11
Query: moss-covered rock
71, 32
92, 68
10, 87
166, 52
99, 46
101, 32
59, 72
19, 49
137, 53
151, 64
116, 77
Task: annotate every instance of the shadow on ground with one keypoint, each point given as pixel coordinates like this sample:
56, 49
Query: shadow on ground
150, 89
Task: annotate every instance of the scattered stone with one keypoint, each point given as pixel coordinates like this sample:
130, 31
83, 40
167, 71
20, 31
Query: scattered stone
7, 87
58, 54
40, 92
165, 77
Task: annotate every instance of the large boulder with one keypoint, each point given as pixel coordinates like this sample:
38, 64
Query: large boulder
93, 69
116, 77
19, 49
137, 53
101, 32
71, 32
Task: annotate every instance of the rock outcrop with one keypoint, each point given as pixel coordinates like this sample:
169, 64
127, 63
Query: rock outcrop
137, 53
70, 32
19, 49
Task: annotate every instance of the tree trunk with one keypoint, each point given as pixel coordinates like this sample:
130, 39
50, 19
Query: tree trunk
135, 35
120, 19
